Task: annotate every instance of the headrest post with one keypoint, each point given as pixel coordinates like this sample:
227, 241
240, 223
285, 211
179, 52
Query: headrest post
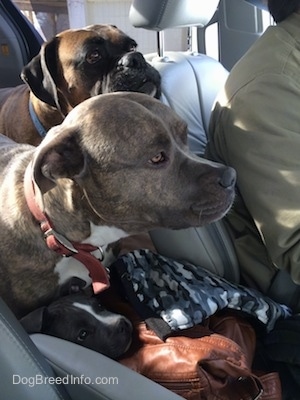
189, 39
160, 43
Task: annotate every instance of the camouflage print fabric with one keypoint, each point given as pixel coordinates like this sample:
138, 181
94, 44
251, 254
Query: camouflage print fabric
184, 294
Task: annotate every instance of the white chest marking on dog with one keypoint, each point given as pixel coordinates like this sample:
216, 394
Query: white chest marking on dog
68, 267
100, 236
103, 235
109, 319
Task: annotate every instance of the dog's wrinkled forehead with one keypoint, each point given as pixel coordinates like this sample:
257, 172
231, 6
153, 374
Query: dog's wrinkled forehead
95, 35
91, 109
129, 117
110, 32
70, 301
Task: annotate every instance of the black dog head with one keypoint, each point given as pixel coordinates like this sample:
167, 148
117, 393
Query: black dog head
82, 320
80, 63
133, 74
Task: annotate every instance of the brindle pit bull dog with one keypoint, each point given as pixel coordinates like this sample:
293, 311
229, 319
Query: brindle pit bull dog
118, 164
72, 67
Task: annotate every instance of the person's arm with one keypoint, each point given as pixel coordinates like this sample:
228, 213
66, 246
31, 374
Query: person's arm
258, 134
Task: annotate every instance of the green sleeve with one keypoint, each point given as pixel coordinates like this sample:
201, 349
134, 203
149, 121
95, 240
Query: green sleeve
258, 133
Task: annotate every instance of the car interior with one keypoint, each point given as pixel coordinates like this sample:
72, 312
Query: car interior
20, 42
190, 83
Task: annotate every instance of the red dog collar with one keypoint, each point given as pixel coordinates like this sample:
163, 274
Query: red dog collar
61, 245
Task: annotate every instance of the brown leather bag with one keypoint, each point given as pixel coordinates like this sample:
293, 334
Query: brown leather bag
211, 361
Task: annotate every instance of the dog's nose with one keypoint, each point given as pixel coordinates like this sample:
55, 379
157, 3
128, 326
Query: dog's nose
132, 60
228, 178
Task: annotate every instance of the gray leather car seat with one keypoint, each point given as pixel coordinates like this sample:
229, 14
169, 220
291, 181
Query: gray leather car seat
190, 83
20, 361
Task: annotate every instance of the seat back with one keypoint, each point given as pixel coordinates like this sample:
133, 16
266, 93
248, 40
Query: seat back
22, 367
190, 83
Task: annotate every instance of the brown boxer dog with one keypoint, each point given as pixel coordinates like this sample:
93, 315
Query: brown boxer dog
73, 66
118, 164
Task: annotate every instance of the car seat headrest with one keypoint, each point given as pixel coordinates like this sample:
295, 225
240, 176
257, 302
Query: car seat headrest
262, 4
163, 14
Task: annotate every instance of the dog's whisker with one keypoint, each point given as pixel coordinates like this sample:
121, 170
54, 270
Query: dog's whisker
92, 207
200, 216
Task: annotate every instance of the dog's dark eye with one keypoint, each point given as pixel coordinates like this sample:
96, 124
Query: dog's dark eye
83, 334
93, 57
158, 158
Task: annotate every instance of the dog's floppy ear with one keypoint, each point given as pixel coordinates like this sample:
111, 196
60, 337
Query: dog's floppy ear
41, 73
33, 322
61, 156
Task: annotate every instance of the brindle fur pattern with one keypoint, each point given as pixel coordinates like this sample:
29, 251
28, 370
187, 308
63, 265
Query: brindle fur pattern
101, 175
